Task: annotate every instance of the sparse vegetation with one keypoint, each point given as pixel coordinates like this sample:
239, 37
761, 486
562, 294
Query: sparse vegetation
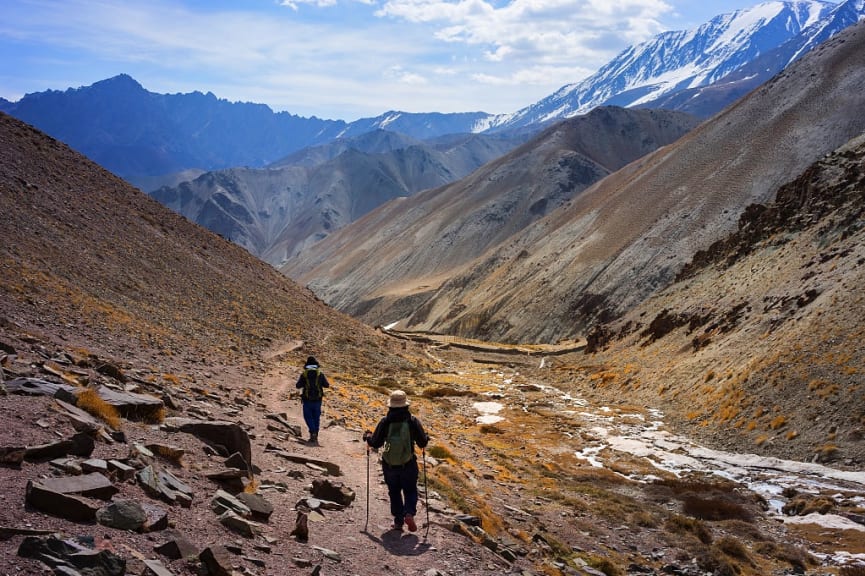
777, 422
733, 547
679, 524
90, 401
440, 452
716, 508
444, 391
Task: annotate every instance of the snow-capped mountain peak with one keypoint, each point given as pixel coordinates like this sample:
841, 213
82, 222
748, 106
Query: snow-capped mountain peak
689, 59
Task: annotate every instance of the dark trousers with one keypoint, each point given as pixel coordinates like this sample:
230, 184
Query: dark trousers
312, 414
402, 490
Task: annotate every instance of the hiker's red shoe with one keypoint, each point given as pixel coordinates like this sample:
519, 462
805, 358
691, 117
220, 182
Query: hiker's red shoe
409, 521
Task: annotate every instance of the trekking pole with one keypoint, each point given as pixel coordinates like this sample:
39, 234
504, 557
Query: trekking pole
425, 491
366, 525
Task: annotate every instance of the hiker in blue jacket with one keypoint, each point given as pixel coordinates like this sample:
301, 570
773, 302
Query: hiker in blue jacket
312, 383
398, 432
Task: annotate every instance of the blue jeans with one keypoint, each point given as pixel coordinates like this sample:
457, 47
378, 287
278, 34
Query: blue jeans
402, 490
312, 414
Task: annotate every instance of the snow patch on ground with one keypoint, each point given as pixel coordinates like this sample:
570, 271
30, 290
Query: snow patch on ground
489, 412
826, 521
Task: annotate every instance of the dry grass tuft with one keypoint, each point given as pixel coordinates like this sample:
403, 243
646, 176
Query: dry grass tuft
440, 452
679, 524
857, 570
445, 391
452, 484
171, 379
168, 452
156, 416
644, 519
89, 401
733, 547
604, 565
796, 557
715, 508
777, 422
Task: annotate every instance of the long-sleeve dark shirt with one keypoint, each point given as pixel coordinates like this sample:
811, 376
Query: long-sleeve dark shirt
418, 434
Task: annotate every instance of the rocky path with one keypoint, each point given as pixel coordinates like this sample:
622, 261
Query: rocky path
367, 546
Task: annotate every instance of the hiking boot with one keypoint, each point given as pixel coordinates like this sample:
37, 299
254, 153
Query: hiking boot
409, 521
397, 525
313, 437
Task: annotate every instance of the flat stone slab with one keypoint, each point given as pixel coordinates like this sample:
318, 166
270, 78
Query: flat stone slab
36, 387
130, 404
226, 436
79, 444
93, 485
332, 469
61, 505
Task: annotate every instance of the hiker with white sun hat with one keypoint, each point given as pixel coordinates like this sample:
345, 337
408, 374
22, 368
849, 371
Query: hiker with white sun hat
397, 433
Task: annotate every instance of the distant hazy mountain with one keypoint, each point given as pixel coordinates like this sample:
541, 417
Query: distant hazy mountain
276, 211
139, 134
671, 69
133, 132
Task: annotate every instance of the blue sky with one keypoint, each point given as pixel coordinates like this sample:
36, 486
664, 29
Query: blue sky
341, 59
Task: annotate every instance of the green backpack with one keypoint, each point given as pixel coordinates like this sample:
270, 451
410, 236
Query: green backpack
398, 448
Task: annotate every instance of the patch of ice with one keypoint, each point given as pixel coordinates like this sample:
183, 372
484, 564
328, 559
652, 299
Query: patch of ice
826, 521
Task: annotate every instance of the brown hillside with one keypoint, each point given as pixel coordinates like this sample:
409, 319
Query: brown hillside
630, 234
759, 346
90, 254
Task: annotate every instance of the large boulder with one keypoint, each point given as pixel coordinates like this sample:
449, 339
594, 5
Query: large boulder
123, 515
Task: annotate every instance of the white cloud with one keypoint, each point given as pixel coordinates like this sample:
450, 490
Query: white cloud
552, 30
293, 4
403, 76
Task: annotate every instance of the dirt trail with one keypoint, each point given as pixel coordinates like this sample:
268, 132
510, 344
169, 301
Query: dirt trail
376, 549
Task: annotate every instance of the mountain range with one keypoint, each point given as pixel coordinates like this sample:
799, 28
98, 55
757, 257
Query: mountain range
602, 250
140, 135
277, 211
717, 279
